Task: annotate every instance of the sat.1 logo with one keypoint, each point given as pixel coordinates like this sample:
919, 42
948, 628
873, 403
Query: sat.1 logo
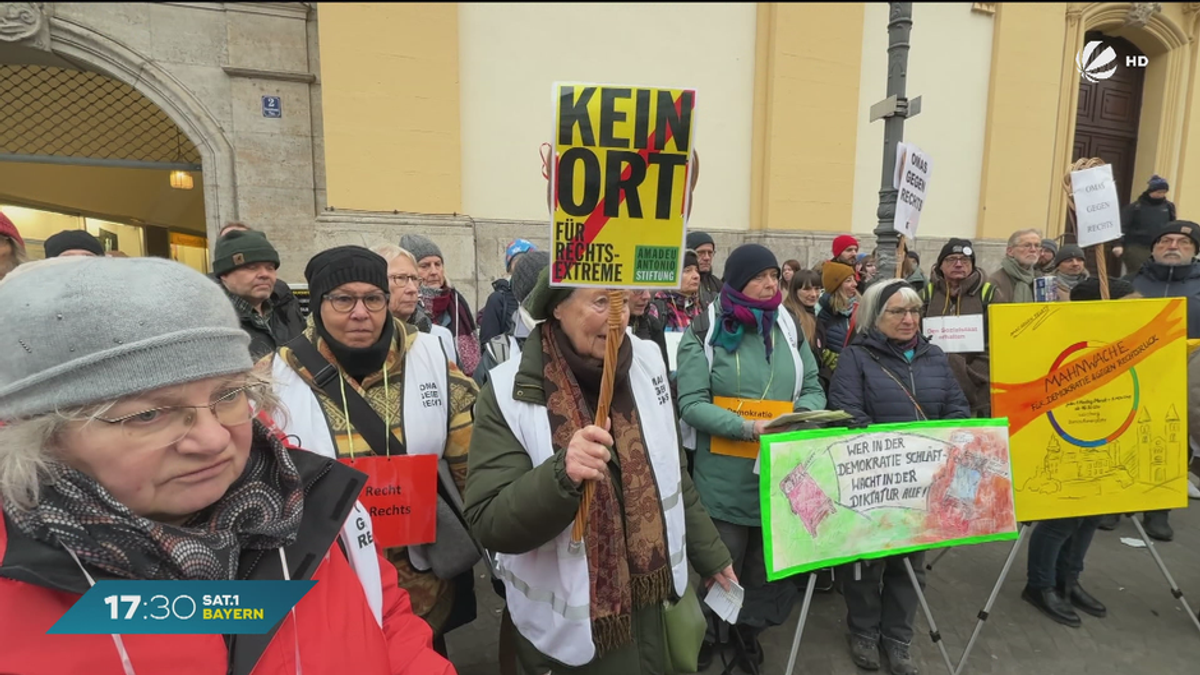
1098, 61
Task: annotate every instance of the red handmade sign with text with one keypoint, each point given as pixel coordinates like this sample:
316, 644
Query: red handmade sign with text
401, 496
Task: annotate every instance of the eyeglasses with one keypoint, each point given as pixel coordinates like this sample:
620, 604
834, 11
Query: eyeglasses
161, 427
900, 313
404, 279
957, 260
346, 303
1029, 247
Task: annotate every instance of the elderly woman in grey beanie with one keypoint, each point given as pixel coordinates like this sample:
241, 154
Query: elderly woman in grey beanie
130, 449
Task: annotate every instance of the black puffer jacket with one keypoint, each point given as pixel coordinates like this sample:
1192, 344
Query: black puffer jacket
862, 386
1141, 220
1156, 280
496, 316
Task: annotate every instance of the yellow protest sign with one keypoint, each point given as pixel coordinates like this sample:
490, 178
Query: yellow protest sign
748, 409
1097, 407
619, 178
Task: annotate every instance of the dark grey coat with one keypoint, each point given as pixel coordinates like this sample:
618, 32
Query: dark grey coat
1156, 280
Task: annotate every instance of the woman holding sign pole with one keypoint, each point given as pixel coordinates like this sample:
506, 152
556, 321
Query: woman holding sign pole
594, 607
890, 373
742, 364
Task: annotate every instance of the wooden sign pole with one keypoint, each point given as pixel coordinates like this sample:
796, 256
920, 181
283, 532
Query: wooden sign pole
901, 255
612, 345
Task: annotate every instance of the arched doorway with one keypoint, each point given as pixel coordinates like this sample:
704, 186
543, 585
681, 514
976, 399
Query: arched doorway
1107, 119
49, 40
80, 150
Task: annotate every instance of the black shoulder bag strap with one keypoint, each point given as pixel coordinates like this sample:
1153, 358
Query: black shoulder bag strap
368, 422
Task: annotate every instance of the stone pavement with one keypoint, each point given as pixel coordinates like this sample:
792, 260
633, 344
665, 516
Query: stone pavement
1146, 630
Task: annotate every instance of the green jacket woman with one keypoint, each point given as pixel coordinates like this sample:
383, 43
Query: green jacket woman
749, 352
594, 607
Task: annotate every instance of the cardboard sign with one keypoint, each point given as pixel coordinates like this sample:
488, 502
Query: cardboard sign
619, 180
1097, 207
912, 180
401, 497
748, 409
1096, 398
833, 496
956, 334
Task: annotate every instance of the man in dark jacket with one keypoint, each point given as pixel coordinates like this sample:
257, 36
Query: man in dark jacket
282, 290
496, 316
525, 271
1140, 222
245, 263
958, 289
710, 284
1172, 272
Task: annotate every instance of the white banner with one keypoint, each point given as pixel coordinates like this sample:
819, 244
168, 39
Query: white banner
1097, 210
913, 182
956, 334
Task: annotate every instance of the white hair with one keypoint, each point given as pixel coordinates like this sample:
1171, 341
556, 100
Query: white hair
869, 309
1016, 236
391, 251
27, 446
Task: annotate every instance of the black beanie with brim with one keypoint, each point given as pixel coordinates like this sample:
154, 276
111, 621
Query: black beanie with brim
73, 240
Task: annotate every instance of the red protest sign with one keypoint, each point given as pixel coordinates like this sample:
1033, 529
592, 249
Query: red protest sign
401, 496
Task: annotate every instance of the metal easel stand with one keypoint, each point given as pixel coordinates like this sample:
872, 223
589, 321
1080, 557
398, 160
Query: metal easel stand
808, 593
1166, 573
987, 608
942, 554
934, 634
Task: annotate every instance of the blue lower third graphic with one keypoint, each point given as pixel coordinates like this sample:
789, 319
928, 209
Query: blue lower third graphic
181, 607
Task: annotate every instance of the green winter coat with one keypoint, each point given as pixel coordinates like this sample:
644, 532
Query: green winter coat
728, 486
514, 508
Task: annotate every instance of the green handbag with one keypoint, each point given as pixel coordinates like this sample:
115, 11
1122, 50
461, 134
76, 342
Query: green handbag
684, 628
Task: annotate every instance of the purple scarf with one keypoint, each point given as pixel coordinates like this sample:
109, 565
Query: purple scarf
739, 312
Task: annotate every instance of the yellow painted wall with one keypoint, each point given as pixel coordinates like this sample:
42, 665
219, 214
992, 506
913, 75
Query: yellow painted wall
390, 96
808, 107
950, 127
512, 53
123, 194
1186, 187
1018, 170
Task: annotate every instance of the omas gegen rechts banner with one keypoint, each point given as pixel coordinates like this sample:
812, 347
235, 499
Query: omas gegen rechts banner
620, 175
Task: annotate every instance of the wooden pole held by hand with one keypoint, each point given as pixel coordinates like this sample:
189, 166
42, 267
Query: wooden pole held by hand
901, 256
612, 345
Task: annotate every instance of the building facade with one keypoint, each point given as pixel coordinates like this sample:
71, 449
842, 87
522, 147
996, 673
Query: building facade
324, 124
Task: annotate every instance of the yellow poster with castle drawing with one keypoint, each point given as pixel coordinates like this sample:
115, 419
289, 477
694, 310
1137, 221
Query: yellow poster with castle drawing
1096, 398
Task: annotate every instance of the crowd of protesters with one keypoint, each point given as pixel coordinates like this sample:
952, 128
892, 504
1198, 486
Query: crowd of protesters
143, 439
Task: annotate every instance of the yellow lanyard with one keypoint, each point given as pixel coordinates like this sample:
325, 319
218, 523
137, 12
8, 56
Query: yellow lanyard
387, 414
737, 361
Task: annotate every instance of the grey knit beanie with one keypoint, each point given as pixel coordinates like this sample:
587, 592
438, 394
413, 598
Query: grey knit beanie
420, 246
77, 331
525, 272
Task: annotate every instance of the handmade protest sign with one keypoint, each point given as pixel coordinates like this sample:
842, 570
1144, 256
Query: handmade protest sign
1097, 406
1097, 207
401, 497
619, 179
747, 409
833, 496
912, 180
956, 334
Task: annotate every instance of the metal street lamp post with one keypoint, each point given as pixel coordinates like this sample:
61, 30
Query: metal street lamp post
893, 110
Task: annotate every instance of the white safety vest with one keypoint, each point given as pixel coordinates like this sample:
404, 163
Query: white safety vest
426, 410
548, 592
447, 339
787, 326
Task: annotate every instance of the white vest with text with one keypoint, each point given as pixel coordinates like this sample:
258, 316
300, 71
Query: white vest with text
548, 593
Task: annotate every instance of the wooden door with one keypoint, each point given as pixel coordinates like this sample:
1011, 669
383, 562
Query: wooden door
1106, 126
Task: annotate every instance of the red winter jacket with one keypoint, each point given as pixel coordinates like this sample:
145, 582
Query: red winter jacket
332, 627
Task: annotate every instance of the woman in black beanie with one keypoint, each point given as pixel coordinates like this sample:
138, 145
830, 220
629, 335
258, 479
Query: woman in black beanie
742, 355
